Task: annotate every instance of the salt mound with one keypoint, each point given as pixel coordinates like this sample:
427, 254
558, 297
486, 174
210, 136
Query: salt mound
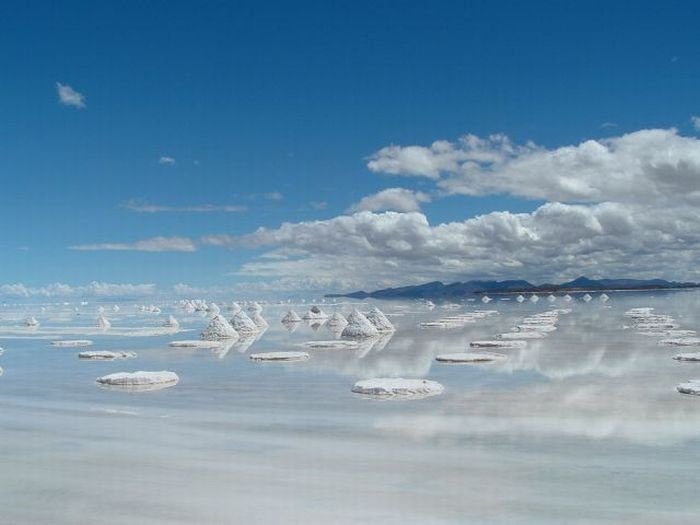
31, 322
101, 310
291, 317
259, 320
520, 298
379, 320
429, 305
498, 344
219, 328
115, 308
315, 313
195, 343
139, 380
691, 387
338, 319
486, 299
551, 298
171, 322
522, 335
470, 357
280, 356
235, 307
255, 307
329, 345
189, 307
535, 328
213, 309
103, 355
243, 324
358, 326
694, 356
681, 341
587, 297
102, 322
73, 343
534, 298
604, 297
390, 387
568, 298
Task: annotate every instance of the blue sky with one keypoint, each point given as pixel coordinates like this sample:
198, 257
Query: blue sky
279, 107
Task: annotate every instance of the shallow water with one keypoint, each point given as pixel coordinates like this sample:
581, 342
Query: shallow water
584, 426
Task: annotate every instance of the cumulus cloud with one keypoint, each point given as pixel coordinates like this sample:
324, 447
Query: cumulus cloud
644, 166
166, 161
94, 289
69, 96
392, 199
145, 207
154, 244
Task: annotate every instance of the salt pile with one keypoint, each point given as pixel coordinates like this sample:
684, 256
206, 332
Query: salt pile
358, 326
390, 387
694, 356
194, 343
243, 324
587, 297
255, 307
604, 297
189, 307
219, 328
498, 344
102, 322
291, 317
213, 309
171, 322
259, 320
429, 305
681, 341
691, 387
103, 355
315, 313
115, 308
551, 298
101, 310
534, 298
280, 356
486, 299
470, 357
568, 298
337, 319
520, 298
31, 322
534, 328
139, 380
379, 320
72, 343
235, 307
522, 335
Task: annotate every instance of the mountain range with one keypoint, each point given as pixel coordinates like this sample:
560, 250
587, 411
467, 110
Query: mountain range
439, 290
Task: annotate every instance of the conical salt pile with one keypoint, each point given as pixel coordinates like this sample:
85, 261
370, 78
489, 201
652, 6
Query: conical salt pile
31, 321
189, 307
520, 298
315, 313
255, 307
213, 309
235, 307
379, 320
115, 308
102, 322
219, 328
359, 326
259, 320
171, 322
291, 317
337, 319
243, 324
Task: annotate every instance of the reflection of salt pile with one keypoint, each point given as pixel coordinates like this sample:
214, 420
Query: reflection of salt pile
315, 313
102, 322
243, 324
358, 326
291, 317
31, 322
498, 344
259, 320
194, 343
280, 356
72, 343
379, 320
398, 387
587, 298
171, 322
103, 355
470, 357
139, 380
219, 328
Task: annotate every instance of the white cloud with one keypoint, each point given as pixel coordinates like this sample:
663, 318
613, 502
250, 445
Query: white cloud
696, 122
392, 199
644, 166
318, 205
608, 124
94, 289
166, 161
69, 97
144, 207
273, 196
154, 244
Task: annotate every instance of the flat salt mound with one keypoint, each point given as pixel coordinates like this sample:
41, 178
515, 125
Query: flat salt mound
535, 328
73, 343
691, 387
522, 335
498, 344
470, 357
139, 380
280, 356
692, 356
103, 355
195, 343
392, 388
330, 345
681, 341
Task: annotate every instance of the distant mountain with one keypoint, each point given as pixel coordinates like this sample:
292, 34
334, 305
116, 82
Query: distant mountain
438, 290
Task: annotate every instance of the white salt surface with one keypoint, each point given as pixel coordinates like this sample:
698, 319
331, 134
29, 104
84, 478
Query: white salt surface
139, 380
71, 343
280, 356
103, 355
390, 387
470, 357
498, 344
522, 335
